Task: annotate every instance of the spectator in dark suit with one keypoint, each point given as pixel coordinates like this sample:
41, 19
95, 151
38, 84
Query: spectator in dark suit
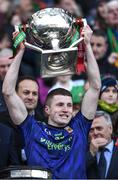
100, 141
8, 153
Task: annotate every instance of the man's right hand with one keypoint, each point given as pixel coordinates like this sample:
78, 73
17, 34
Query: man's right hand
95, 144
21, 45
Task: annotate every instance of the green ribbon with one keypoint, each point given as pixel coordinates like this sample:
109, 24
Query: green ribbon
19, 38
111, 108
112, 40
75, 36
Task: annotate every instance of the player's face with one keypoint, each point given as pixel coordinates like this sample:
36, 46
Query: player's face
59, 111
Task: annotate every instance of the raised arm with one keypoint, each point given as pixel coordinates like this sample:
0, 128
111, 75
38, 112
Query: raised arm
90, 100
14, 103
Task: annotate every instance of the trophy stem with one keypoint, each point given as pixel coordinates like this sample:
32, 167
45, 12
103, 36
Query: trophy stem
55, 44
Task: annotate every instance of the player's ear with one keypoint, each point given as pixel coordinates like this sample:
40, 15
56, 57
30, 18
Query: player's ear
47, 109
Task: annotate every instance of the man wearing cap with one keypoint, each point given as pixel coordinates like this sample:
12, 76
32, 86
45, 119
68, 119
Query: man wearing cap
108, 100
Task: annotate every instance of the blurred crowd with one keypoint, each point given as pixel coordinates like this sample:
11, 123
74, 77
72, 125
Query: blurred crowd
102, 17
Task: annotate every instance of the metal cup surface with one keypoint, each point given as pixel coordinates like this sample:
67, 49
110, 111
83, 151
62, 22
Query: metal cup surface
49, 28
52, 30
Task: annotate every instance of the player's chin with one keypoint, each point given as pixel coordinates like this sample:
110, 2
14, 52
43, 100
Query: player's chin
30, 107
65, 121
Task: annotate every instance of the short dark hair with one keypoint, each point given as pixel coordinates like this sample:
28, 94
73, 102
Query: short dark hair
99, 32
58, 91
22, 78
57, 1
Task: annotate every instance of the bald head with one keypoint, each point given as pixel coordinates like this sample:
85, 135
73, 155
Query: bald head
5, 62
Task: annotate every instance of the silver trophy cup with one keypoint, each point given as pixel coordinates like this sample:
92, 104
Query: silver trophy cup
51, 31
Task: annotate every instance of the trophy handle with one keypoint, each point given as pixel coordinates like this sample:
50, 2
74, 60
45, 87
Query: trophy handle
28, 45
59, 50
73, 45
80, 39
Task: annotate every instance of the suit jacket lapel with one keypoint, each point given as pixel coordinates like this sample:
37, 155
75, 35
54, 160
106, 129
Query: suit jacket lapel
113, 163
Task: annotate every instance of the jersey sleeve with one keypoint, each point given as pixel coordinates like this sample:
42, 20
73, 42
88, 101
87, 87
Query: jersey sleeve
27, 129
81, 123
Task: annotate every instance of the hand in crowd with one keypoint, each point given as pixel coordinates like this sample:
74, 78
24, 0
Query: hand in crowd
113, 59
95, 144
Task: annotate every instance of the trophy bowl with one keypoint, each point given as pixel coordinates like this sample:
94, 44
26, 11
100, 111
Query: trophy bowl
51, 28
54, 33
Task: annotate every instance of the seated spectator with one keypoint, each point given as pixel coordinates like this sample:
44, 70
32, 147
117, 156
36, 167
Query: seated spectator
102, 158
8, 152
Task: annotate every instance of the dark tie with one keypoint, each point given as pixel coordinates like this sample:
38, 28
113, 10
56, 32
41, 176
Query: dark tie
102, 164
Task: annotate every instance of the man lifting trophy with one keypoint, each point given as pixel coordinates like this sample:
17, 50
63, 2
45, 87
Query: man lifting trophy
60, 143
54, 33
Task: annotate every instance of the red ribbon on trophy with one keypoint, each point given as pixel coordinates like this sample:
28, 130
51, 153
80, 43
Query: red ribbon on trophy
80, 66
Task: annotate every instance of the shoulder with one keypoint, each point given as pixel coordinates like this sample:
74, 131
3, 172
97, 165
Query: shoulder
5, 131
5, 127
82, 122
29, 123
80, 116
